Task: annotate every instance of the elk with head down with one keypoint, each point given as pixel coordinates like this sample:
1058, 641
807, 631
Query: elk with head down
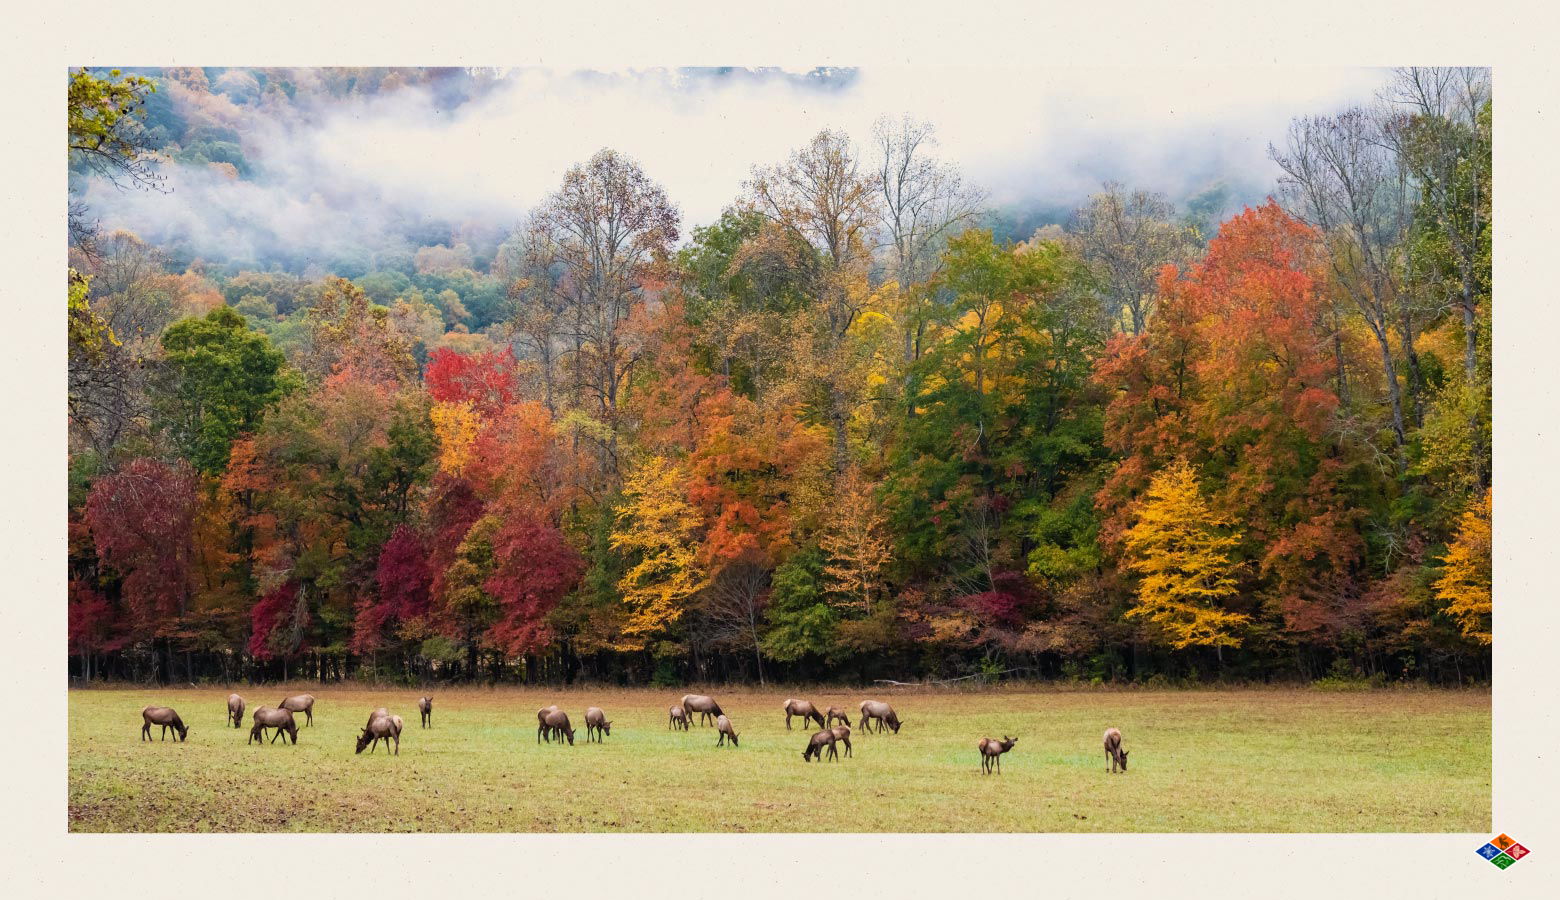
816, 743
676, 717
723, 725
877, 713
1113, 752
542, 731
558, 726
706, 707
167, 718
835, 713
280, 719
235, 710
806, 710
381, 727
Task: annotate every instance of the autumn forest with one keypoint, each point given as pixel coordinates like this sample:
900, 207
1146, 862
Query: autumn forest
859, 426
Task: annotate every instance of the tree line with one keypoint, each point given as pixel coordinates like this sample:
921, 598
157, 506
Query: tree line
842, 432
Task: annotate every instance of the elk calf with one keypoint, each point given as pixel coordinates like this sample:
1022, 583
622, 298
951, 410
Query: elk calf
879, 714
280, 719
723, 725
842, 735
596, 721
1113, 753
167, 718
816, 743
381, 727
236, 710
991, 751
425, 706
676, 717
558, 726
802, 708
835, 713
303, 703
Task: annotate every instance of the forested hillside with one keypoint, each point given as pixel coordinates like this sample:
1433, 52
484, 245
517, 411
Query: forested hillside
849, 430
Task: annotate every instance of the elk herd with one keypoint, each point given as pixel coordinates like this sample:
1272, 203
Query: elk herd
552, 724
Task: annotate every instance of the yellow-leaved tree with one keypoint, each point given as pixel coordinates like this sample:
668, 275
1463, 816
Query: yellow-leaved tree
1181, 548
1465, 583
657, 526
456, 425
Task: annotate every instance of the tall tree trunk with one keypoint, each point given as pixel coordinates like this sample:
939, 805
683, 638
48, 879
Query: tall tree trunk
1394, 393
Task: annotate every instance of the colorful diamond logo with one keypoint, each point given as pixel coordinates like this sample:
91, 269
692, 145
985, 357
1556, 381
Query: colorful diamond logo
1503, 861
1489, 851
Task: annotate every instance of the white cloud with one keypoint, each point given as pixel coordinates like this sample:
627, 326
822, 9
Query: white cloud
356, 172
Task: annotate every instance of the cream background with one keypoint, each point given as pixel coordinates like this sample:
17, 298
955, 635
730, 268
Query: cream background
40, 858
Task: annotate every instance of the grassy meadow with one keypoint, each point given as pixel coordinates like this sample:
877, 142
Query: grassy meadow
1292, 760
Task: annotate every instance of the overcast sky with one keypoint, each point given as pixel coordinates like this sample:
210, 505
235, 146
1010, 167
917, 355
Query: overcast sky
360, 168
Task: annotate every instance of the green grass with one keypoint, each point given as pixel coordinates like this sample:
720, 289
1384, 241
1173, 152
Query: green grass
1220, 761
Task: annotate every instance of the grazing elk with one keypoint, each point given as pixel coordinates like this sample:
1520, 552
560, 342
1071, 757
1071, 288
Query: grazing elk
842, 735
816, 743
1113, 752
723, 725
558, 727
303, 703
802, 708
542, 731
991, 751
596, 721
167, 718
835, 713
706, 707
236, 710
425, 706
877, 713
280, 719
676, 717
381, 727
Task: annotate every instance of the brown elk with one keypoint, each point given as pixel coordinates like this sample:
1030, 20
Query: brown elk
167, 718
425, 706
558, 727
235, 710
596, 721
303, 703
542, 731
723, 725
802, 708
991, 751
842, 735
280, 719
875, 714
706, 707
381, 728
676, 717
1114, 754
835, 713
816, 743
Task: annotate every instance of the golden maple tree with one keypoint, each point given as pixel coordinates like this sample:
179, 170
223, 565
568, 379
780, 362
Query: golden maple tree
657, 526
1181, 548
1465, 583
